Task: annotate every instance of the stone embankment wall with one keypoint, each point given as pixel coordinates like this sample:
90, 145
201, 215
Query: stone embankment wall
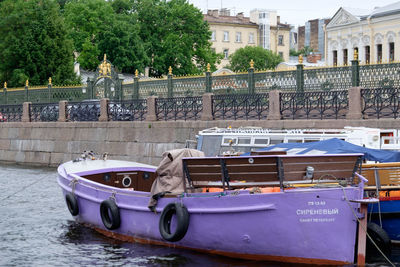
51, 143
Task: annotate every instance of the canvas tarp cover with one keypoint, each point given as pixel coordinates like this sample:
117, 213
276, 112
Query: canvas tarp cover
170, 173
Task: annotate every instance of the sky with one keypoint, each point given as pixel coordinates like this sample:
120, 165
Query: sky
295, 12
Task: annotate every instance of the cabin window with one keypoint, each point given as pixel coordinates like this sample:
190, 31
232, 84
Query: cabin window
276, 141
244, 141
261, 141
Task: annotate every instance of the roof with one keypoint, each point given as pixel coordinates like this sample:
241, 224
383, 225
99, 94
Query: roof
386, 10
229, 20
357, 12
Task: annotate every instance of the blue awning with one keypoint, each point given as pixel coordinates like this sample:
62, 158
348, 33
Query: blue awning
335, 146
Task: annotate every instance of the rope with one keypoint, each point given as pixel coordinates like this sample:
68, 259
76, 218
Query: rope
22, 189
365, 230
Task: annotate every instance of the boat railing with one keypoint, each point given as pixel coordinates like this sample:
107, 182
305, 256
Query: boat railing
269, 170
382, 175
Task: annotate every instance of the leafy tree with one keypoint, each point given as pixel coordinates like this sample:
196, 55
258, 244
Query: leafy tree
263, 59
175, 35
34, 43
100, 27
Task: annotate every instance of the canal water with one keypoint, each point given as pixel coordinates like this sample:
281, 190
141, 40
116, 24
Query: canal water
36, 229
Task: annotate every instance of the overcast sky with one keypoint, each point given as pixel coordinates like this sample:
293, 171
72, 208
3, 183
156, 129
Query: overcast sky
295, 12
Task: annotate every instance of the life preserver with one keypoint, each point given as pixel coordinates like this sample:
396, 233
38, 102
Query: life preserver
181, 218
381, 239
72, 204
109, 213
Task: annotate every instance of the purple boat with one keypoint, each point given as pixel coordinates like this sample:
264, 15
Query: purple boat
299, 209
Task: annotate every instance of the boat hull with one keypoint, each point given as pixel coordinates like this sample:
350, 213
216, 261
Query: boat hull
386, 213
314, 225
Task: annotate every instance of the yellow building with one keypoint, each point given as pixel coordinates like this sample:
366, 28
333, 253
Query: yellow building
375, 35
262, 28
229, 33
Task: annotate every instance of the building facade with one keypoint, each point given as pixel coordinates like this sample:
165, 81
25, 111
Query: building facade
262, 28
375, 35
312, 34
229, 33
273, 35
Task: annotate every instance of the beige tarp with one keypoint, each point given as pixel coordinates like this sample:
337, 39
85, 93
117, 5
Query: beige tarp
170, 173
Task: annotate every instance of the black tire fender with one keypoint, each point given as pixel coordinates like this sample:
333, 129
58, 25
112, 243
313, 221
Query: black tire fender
109, 213
72, 204
381, 239
182, 222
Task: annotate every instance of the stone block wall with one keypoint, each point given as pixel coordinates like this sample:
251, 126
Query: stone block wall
51, 143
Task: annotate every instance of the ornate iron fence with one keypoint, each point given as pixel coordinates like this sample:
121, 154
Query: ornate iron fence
224, 84
314, 105
157, 87
179, 108
327, 79
240, 106
380, 103
44, 112
11, 113
128, 110
279, 80
189, 86
83, 111
380, 75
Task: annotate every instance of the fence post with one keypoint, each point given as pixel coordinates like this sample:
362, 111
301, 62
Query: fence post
208, 79
26, 112
207, 113
300, 75
5, 93
49, 90
26, 90
355, 70
251, 77
121, 90
170, 83
104, 109
355, 104
151, 108
62, 111
136, 85
89, 93
274, 112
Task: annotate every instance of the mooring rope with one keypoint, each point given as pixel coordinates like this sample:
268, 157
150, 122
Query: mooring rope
23, 188
365, 230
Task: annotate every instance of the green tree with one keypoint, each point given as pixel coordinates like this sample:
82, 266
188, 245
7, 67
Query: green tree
175, 34
34, 43
106, 27
263, 59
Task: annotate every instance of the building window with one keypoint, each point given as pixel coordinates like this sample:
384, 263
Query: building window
213, 37
226, 36
334, 57
367, 54
251, 38
391, 52
226, 53
281, 54
379, 53
345, 56
280, 40
238, 37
